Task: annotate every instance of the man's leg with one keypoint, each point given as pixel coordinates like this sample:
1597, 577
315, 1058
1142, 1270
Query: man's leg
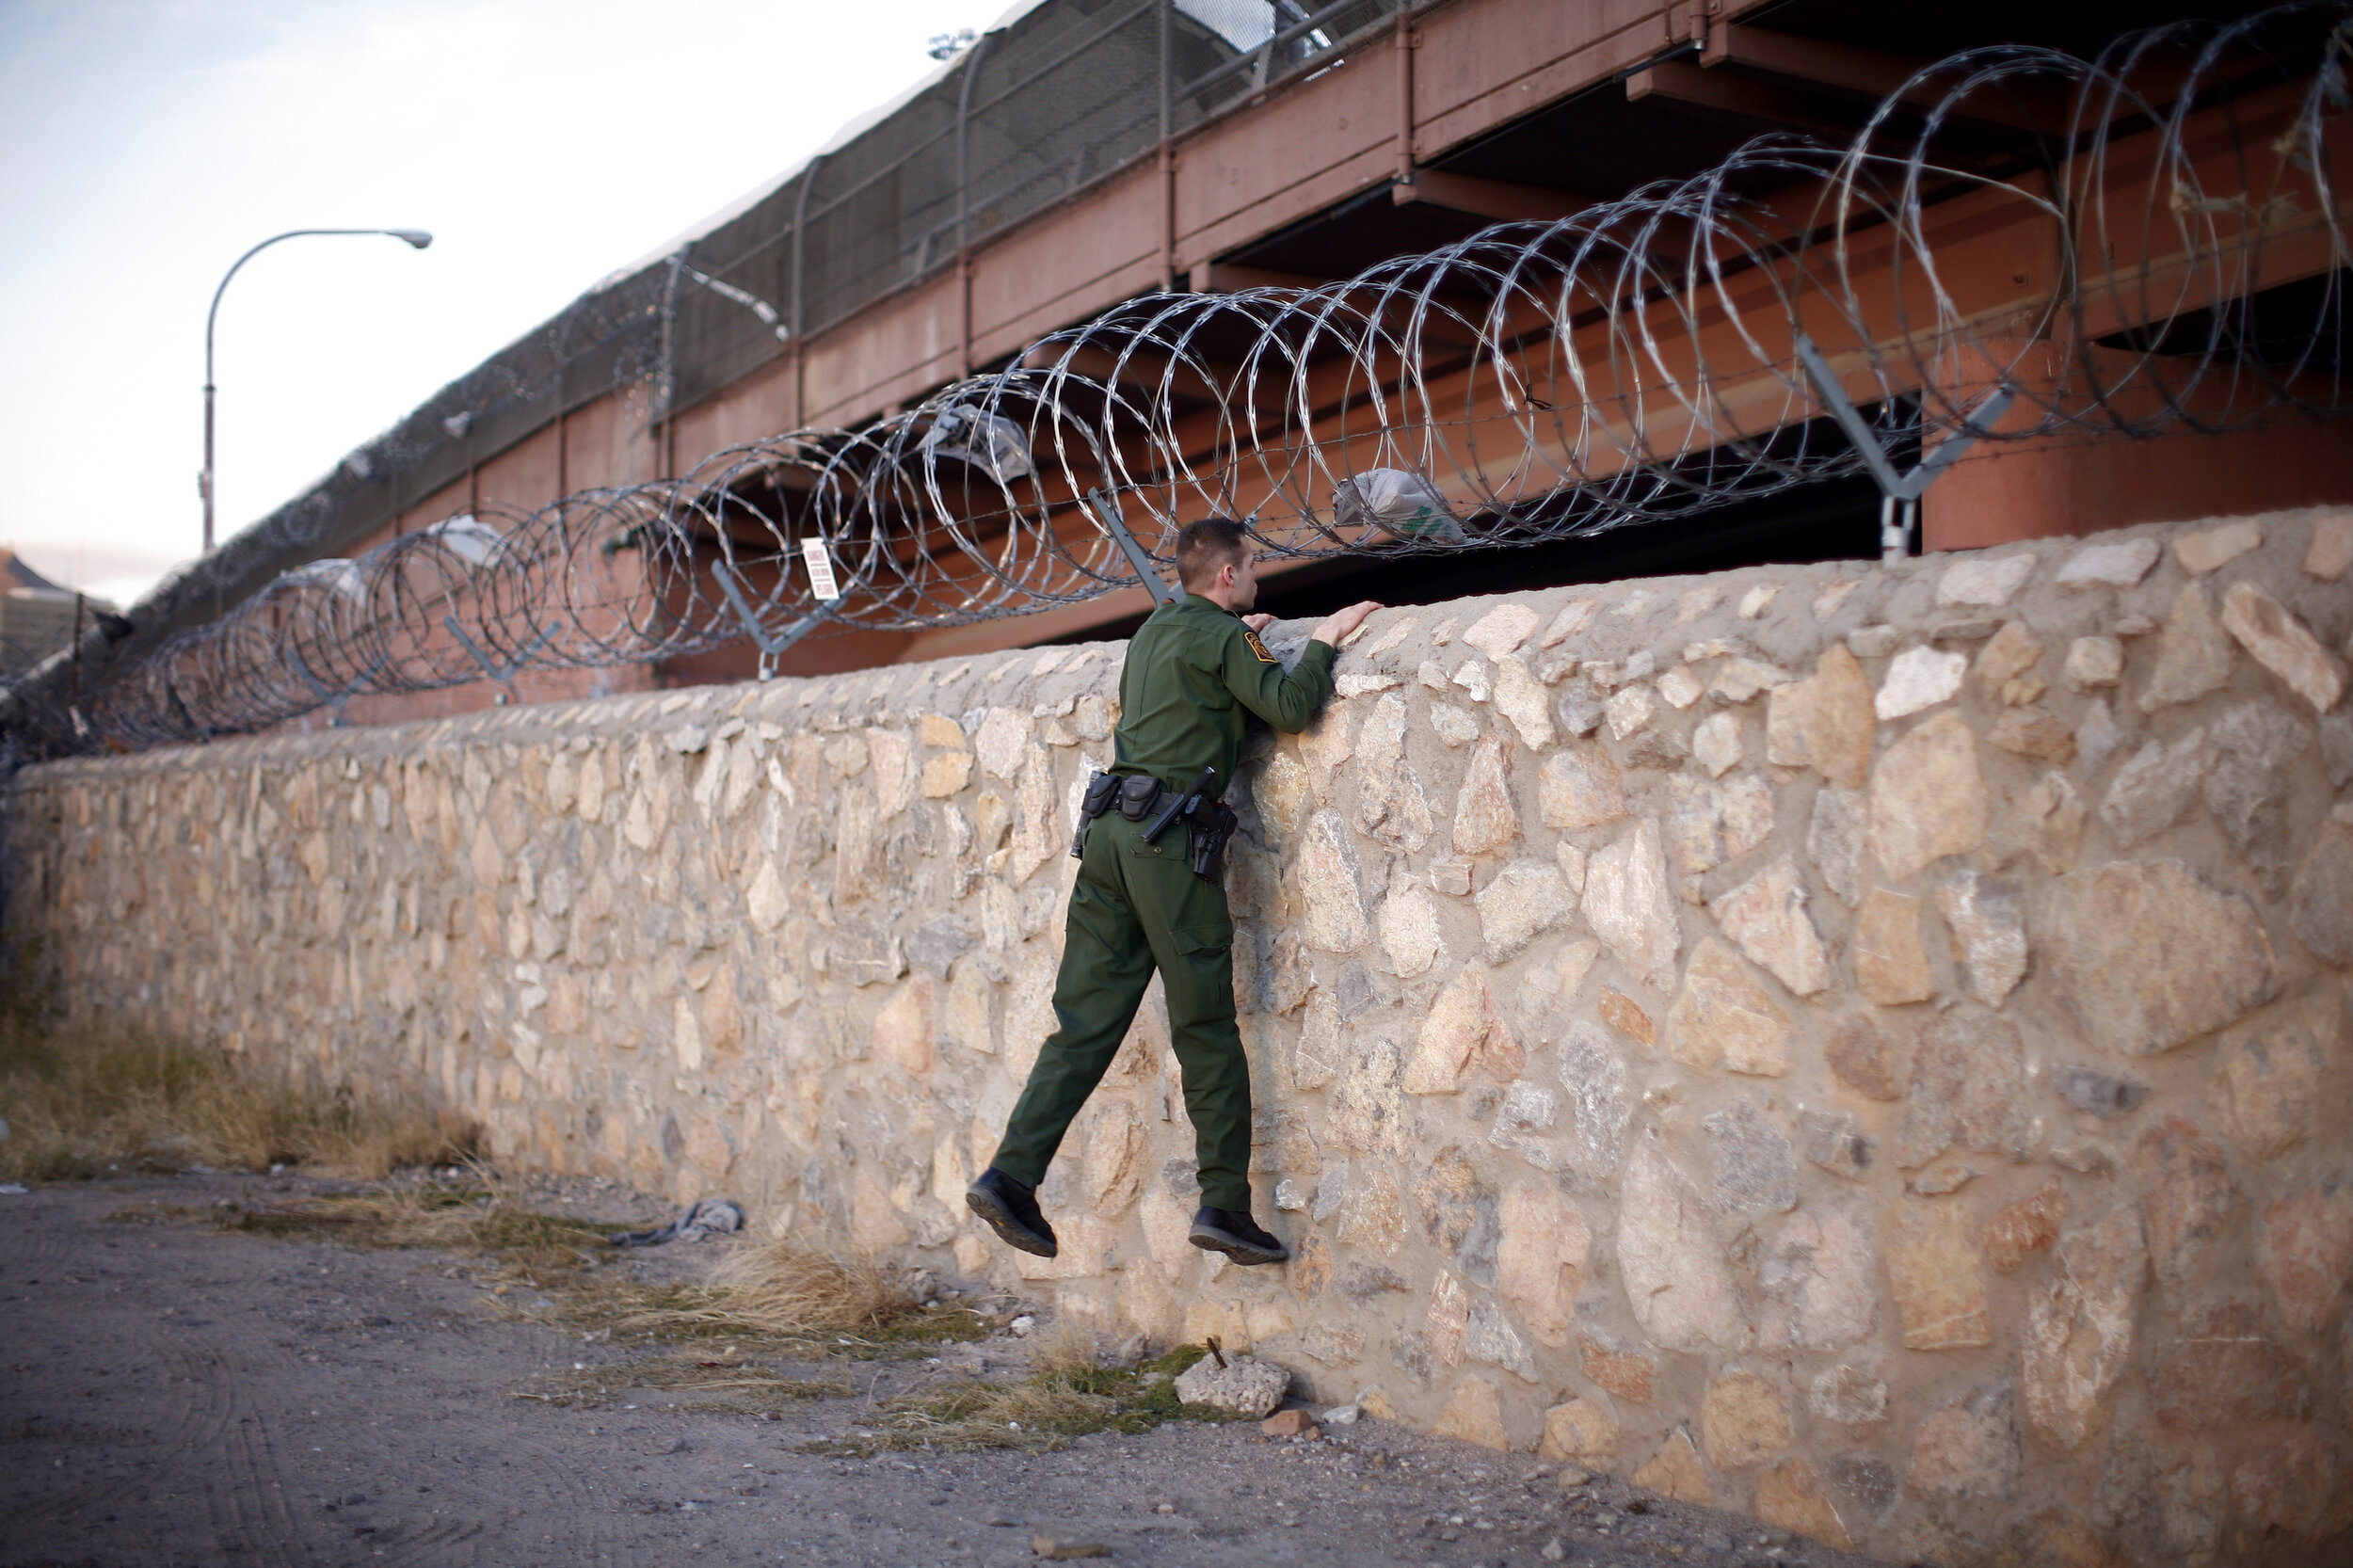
1106, 966
1193, 940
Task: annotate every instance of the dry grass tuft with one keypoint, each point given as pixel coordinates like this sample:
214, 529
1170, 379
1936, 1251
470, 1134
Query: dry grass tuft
784, 1292
539, 1250
80, 1101
733, 1386
1040, 1414
1064, 1347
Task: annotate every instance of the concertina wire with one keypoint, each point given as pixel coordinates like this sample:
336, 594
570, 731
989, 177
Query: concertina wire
1630, 364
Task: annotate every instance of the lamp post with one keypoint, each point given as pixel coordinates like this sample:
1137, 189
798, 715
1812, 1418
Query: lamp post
416, 237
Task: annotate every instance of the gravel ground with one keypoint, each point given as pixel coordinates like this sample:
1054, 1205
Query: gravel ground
177, 1395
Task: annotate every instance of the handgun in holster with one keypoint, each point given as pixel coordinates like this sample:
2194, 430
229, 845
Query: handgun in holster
1208, 825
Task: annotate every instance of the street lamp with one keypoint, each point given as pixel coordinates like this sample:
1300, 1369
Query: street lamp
416, 237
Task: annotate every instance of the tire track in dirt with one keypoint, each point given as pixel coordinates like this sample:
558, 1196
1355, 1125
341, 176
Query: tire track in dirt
208, 1410
50, 1265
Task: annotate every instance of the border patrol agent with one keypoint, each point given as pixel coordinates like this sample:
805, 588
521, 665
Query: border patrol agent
1147, 898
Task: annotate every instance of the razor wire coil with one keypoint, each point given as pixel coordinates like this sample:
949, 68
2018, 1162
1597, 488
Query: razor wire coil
1533, 382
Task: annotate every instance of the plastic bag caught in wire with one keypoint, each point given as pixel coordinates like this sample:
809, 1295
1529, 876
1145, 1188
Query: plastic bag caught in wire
1405, 505
334, 572
469, 539
990, 443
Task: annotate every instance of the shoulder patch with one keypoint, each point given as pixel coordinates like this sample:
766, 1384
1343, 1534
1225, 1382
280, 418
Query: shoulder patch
1251, 639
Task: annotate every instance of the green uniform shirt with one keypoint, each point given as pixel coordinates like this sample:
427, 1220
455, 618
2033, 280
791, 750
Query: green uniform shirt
1193, 677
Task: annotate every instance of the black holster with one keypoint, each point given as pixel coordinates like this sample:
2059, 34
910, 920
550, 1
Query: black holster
1208, 826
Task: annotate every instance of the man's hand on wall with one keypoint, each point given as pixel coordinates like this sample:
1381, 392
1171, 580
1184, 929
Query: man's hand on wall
1257, 623
1338, 624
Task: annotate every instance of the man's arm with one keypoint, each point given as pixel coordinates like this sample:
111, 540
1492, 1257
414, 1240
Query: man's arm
1333, 628
1288, 699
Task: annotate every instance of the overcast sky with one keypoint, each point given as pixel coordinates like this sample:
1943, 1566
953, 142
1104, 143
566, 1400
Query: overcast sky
145, 144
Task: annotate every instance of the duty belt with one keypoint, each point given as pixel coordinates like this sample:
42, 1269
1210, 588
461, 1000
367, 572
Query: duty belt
1208, 823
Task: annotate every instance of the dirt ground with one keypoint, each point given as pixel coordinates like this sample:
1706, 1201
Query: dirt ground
175, 1394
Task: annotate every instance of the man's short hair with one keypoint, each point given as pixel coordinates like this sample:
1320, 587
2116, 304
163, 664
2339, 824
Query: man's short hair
1205, 545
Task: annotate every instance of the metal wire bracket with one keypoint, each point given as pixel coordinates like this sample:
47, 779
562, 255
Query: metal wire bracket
499, 673
1900, 493
769, 645
1115, 523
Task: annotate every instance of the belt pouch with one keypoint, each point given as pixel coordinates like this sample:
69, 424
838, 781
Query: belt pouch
1101, 786
1138, 794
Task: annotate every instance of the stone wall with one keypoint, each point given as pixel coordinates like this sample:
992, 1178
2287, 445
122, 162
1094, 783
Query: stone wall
1863, 1047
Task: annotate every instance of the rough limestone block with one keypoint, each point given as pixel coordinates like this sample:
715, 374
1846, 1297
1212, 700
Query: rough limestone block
2193, 655
1248, 1388
1891, 963
1820, 1283
1473, 1414
2283, 645
2010, 654
1933, 1272
2272, 1070
1739, 679
2093, 662
2320, 904
1680, 688
1791, 1494
1967, 1448
1743, 1419
1826, 722
1716, 744
1525, 898
2305, 1251
1918, 680
1929, 797
1765, 916
2079, 1330
1540, 1258
1520, 697
1501, 630
2212, 549
1670, 1260
1987, 581
1988, 919
1463, 1033
1754, 1167
1619, 1368
1630, 903
1583, 1432
2148, 956
1485, 816
2156, 787
1579, 788
2109, 565
1847, 1397
1837, 1144
2033, 732
1675, 1472
2190, 1196
1722, 1016
2020, 1230
2329, 556
1968, 1089
1327, 876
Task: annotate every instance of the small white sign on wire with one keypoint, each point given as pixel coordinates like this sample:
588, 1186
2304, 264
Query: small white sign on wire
821, 579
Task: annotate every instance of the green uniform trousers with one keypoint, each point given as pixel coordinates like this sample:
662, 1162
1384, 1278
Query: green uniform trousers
1137, 907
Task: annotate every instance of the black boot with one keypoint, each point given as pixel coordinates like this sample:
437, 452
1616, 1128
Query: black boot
1011, 1210
1233, 1232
